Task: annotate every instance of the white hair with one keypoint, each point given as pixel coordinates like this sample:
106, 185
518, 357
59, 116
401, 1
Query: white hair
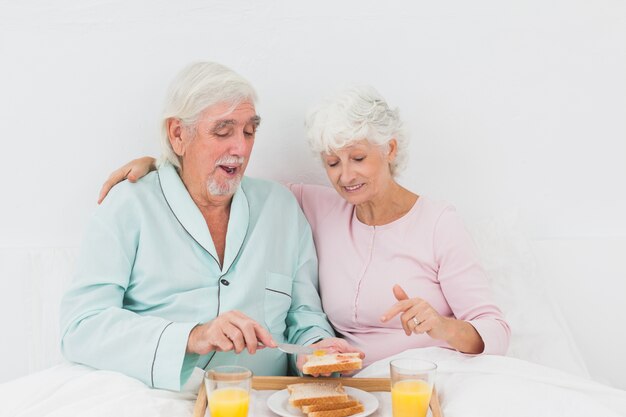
197, 87
354, 114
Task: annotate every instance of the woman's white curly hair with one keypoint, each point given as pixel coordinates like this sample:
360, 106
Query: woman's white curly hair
354, 114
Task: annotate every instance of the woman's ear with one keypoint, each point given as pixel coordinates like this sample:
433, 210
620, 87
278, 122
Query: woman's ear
392, 149
174, 132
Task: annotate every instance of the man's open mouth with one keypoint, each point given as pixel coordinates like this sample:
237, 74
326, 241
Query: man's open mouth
230, 169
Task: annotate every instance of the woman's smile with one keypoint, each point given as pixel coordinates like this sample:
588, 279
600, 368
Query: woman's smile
353, 188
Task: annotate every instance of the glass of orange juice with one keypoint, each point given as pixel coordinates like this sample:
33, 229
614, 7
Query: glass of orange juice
412, 382
228, 390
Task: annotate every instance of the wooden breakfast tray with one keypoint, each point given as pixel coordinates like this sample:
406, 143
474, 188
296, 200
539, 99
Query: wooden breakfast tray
281, 382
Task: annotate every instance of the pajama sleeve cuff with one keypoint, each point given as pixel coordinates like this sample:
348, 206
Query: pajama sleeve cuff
172, 366
494, 334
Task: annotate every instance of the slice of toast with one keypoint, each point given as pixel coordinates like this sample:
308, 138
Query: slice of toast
341, 412
351, 402
331, 362
316, 393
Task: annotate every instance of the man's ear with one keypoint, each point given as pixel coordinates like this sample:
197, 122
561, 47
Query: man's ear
175, 134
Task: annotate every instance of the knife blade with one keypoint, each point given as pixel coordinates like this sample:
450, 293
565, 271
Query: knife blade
295, 349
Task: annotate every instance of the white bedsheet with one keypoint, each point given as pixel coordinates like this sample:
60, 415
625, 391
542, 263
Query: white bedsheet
468, 386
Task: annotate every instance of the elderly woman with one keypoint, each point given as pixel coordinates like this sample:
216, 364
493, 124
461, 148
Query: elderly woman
196, 265
397, 270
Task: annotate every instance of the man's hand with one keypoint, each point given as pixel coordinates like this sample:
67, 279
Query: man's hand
232, 330
331, 345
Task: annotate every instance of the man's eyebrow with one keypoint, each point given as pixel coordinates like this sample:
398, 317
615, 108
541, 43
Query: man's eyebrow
220, 124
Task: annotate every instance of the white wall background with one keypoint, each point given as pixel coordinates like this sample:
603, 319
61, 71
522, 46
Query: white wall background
518, 104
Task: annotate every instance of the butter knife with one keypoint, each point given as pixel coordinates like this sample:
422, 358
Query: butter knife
295, 349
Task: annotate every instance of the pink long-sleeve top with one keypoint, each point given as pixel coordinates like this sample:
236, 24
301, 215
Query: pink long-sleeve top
427, 251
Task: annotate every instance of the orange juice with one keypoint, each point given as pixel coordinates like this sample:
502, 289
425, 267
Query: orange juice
410, 398
229, 402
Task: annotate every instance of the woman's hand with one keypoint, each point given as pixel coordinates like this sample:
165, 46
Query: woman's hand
418, 316
331, 345
232, 330
132, 171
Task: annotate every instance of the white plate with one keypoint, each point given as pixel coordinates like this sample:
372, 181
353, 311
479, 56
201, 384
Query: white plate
279, 403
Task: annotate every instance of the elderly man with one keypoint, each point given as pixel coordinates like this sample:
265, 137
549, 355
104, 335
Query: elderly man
196, 265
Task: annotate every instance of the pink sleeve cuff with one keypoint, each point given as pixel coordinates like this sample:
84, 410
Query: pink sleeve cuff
495, 335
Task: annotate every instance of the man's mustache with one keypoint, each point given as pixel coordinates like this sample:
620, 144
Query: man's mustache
230, 159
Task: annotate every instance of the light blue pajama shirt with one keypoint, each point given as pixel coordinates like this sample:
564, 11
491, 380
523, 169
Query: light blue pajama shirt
148, 273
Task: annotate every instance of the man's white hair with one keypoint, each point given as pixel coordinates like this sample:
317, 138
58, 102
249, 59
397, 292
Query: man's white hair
354, 114
193, 90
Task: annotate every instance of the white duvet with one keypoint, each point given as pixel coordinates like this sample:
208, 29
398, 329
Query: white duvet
486, 386
468, 386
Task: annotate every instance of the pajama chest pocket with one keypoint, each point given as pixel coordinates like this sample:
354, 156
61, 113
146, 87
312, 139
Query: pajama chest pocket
277, 301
